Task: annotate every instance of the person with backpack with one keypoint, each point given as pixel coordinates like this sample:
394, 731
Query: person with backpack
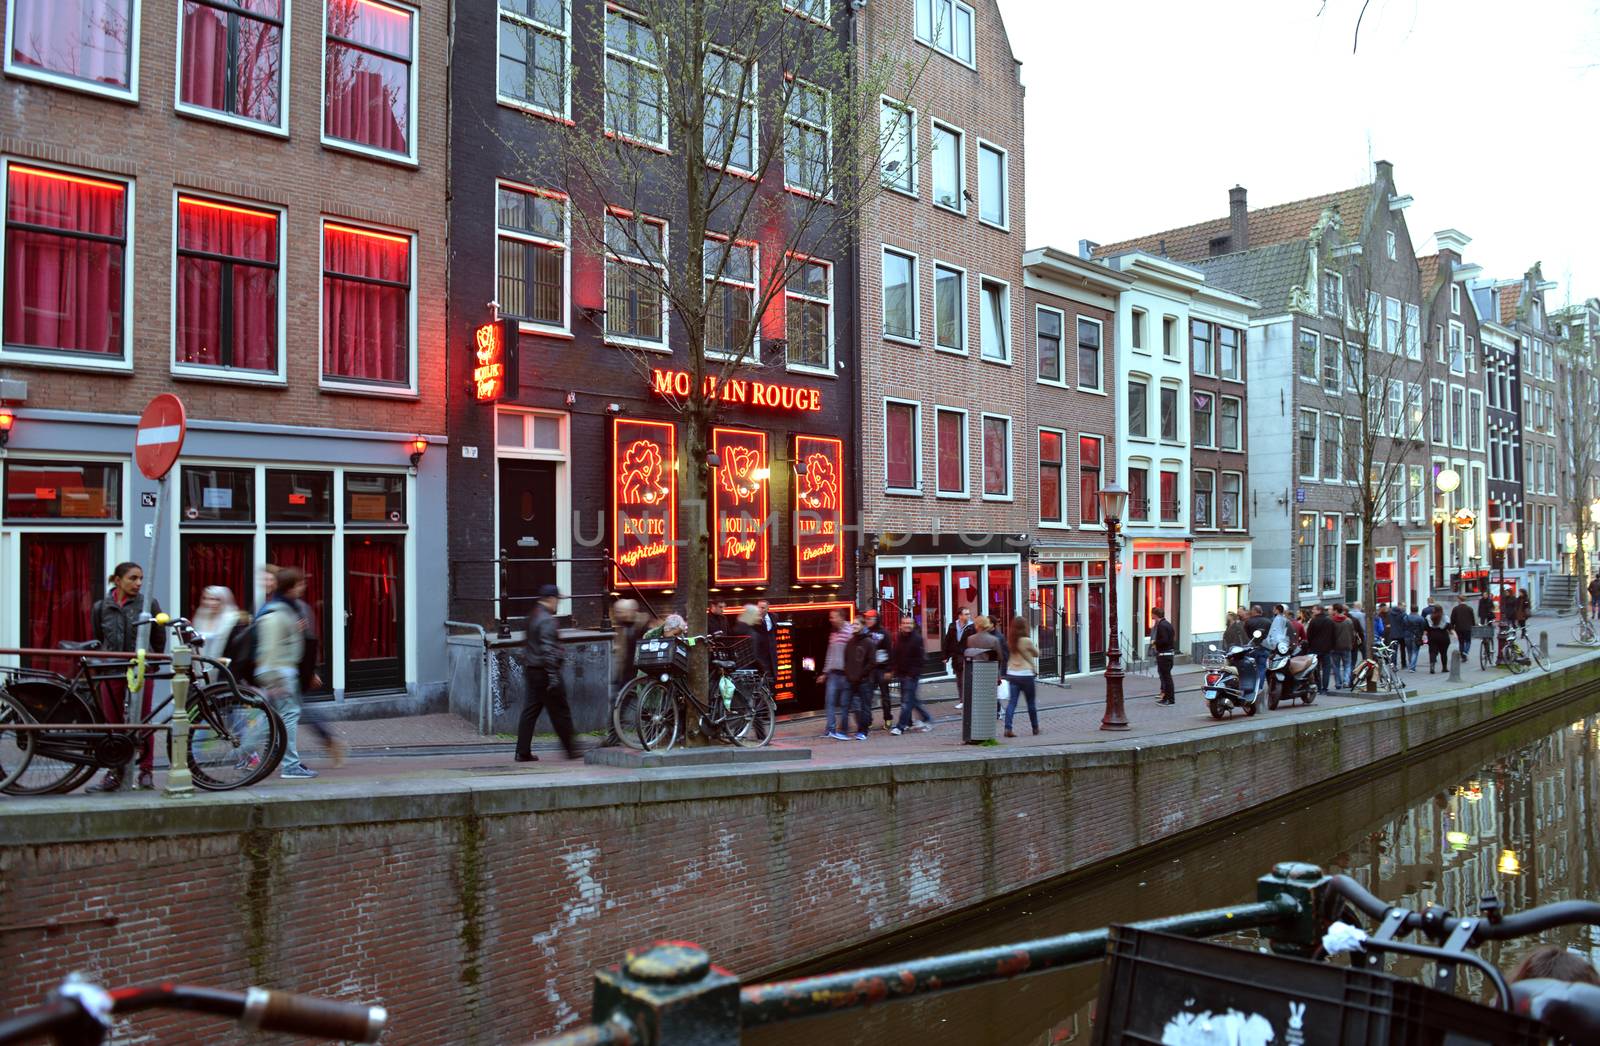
279, 649
115, 621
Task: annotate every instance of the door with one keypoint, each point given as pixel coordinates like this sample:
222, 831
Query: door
1097, 625
1049, 628
1002, 597
62, 577
964, 592
527, 538
312, 554
1385, 577
374, 611
927, 589
890, 599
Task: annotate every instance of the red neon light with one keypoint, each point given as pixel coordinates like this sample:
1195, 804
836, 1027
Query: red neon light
189, 201
489, 366
299, 499
744, 392
76, 179
819, 509
645, 529
740, 498
371, 234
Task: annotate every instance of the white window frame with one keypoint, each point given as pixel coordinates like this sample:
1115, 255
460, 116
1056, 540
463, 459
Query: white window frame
955, 50
408, 158
1299, 355
1138, 320
1239, 524
795, 7
503, 15
1211, 342
915, 337
1004, 224
1334, 348
1213, 523
1456, 348
277, 130
916, 445
1332, 308
73, 83
1010, 492
1064, 523
961, 167
1211, 437
1458, 435
886, 103
1389, 242
355, 387
1314, 458
750, 102
607, 256
1475, 419
665, 143
1238, 445
231, 375
1100, 480
1005, 315
1169, 346
1136, 514
1438, 423
1414, 413
1455, 299
1416, 491
966, 453
1239, 371
1180, 412
795, 86
1337, 475
754, 286
1059, 382
1100, 376
1393, 325
806, 368
1148, 382
1413, 331
565, 326
66, 359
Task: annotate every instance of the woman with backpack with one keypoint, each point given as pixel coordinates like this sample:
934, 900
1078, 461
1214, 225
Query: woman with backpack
116, 626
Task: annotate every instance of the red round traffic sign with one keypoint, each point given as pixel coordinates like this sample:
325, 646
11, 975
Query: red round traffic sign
160, 436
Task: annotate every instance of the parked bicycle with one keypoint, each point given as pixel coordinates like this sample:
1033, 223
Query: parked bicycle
1511, 648
1379, 668
1583, 629
54, 734
653, 711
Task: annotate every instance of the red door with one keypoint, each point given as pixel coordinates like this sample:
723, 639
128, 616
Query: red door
374, 613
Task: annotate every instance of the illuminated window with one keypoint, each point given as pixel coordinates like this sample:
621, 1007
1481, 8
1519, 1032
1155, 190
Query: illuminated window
232, 58
227, 286
366, 306
1052, 501
367, 81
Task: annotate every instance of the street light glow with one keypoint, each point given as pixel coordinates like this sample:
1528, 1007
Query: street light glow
1447, 481
1500, 539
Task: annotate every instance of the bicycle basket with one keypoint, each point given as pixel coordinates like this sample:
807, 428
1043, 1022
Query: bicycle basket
741, 650
668, 652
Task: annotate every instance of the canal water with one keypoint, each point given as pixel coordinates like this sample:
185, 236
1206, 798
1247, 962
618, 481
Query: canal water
1510, 813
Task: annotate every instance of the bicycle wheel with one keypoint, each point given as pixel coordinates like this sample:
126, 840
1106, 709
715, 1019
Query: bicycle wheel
658, 716
1516, 659
752, 718
1538, 656
1485, 660
625, 715
57, 765
16, 746
235, 738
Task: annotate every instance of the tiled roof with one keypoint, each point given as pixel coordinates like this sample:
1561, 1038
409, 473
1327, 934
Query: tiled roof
1509, 296
1268, 225
1429, 267
1268, 274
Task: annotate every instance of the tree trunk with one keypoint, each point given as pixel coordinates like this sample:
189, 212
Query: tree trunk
693, 573
1369, 588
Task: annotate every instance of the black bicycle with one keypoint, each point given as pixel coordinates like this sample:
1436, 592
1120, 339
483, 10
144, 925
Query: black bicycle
652, 711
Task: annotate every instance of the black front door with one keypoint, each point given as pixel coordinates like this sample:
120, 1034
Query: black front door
527, 544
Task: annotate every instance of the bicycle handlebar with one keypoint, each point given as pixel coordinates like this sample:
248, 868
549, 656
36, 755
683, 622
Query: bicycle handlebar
1441, 926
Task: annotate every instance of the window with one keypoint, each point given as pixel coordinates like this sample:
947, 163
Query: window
1308, 444
902, 438
1389, 244
1458, 417
1089, 479
1202, 416
1230, 411
1391, 325
728, 132
1139, 492
1354, 367
994, 320
533, 54
1205, 360
367, 76
1458, 356
1205, 483
1047, 340
814, 9
531, 256
1413, 411
730, 274
994, 204
300, 498
1475, 419
1332, 430
366, 306
227, 286
1052, 507
1310, 347
1305, 552
996, 456
1438, 343
636, 251
1455, 299
375, 498
946, 25
1472, 354
899, 295
217, 495
1414, 491
950, 434
1328, 554
1333, 293
808, 300
949, 168
1354, 450
65, 231
897, 146
70, 490
1169, 496
1089, 376
87, 43
1139, 408
1397, 408
1332, 364
1230, 503
1436, 411
1413, 332
1136, 322
1169, 413
1230, 357
231, 59
1169, 337
634, 85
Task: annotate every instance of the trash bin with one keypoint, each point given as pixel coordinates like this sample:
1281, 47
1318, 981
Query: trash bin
978, 699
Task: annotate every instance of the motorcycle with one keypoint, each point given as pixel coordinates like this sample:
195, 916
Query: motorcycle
1291, 674
1232, 684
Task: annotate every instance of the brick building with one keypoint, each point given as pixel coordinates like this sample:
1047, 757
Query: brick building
944, 390
249, 212
1578, 436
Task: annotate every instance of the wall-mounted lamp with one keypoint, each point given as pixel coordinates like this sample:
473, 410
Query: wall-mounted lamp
761, 475
7, 419
418, 445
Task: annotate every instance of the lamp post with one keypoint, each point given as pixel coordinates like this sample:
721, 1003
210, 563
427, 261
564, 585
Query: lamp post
1446, 482
1113, 502
1500, 539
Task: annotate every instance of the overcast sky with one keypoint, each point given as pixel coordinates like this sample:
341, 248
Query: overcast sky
1143, 113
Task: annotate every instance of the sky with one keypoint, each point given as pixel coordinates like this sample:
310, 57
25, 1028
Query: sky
1141, 114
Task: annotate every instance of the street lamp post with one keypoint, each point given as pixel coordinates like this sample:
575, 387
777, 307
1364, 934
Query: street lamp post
1500, 539
1113, 501
1446, 481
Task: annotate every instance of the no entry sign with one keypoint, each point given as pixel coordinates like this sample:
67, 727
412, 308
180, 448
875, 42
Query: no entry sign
160, 436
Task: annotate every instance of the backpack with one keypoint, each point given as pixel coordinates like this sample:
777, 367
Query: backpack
240, 650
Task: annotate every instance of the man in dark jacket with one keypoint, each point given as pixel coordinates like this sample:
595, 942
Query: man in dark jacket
1461, 621
767, 640
1259, 626
955, 640
880, 662
1164, 639
906, 662
543, 658
1485, 609
1395, 631
1594, 596
1319, 640
859, 667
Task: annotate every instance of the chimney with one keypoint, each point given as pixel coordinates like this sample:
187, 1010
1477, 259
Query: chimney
1238, 219
1086, 249
1383, 171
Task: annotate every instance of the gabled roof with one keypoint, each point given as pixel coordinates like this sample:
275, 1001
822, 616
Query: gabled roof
1268, 274
1268, 226
1429, 267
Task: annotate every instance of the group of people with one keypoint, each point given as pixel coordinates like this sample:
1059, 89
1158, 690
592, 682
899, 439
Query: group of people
280, 643
1016, 652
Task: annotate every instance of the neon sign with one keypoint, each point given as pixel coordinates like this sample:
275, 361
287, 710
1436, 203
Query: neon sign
744, 392
739, 482
489, 363
818, 508
645, 531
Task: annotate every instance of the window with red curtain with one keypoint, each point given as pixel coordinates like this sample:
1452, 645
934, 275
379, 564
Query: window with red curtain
367, 83
997, 457
900, 445
371, 583
227, 276
366, 305
66, 237
1050, 507
310, 555
62, 576
221, 561
88, 40
951, 437
1089, 479
232, 59
1169, 497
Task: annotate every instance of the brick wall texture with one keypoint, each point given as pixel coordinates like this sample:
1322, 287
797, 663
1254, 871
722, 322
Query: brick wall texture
1073, 412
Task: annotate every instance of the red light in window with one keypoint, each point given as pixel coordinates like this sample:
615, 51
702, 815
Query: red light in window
299, 499
59, 177
369, 233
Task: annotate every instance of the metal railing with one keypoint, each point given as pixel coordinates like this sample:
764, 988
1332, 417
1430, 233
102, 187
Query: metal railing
509, 608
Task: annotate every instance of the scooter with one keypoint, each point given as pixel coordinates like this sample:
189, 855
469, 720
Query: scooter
1232, 684
1291, 675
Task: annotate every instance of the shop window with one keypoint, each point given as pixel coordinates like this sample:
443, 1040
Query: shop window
366, 306
227, 277
218, 495
65, 252
232, 58
41, 490
299, 498
220, 560
533, 54
808, 298
367, 80
374, 499
531, 255
87, 42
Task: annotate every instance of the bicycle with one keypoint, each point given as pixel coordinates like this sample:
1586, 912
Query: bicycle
1584, 631
54, 735
1381, 663
80, 1013
1514, 650
739, 708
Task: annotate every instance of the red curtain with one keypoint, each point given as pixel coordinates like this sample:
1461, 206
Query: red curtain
225, 562
901, 437
62, 580
368, 96
365, 326
241, 234
87, 39
62, 291
310, 555
373, 596
256, 64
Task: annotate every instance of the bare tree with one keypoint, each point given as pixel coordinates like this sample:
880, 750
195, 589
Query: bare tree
1578, 426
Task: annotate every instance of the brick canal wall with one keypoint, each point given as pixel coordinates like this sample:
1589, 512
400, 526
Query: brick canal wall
477, 909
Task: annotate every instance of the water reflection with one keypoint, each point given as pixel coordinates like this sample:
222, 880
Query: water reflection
1510, 814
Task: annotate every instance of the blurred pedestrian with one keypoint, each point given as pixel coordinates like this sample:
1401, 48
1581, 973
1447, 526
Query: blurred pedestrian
116, 625
1438, 640
859, 665
1320, 633
1235, 633
881, 644
215, 617
767, 641
543, 658
279, 650
837, 694
907, 661
1461, 622
1022, 671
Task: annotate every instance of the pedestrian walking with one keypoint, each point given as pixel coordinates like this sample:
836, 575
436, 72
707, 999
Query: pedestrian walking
1485, 608
279, 649
310, 680
1164, 641
906, 661
955, 641
1319, 640
1594, 596
1346, 640
1461, 621
115, 622
1235, 634
1278, 630
214, 620
1022, 673
1416, 628
747, 637
767, 632
1524, 609
836, 693
1359, 616
1438, 639
543, 658
881, 644
859, 666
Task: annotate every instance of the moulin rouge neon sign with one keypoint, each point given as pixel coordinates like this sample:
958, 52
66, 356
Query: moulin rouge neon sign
744, 392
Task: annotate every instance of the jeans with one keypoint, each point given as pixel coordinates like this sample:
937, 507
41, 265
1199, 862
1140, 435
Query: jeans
1259, 655
1022, 687
1413, 647
836, 701
1465, 639
909, 702
284, 692
1324, 671
881, 682
1341, 668
1164, 670
862, 705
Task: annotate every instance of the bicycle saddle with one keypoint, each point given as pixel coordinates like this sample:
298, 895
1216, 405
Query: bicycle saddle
74, 644
1571, 1009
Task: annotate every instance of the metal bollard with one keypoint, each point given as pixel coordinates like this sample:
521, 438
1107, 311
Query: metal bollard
1544, 644
671, 994
179, 781
1455, 665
